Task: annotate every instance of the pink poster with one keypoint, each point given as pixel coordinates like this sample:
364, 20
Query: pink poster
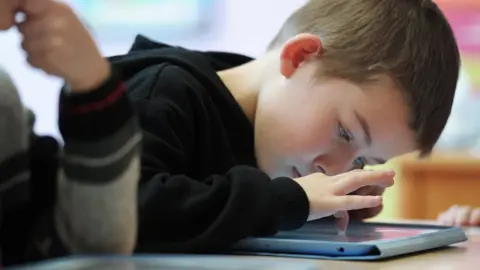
464, 17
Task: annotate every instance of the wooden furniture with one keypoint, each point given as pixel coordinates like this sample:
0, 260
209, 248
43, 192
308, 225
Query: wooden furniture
461, 256
428, 187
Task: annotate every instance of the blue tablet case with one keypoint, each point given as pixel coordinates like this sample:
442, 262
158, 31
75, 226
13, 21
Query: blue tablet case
363, 241
170, 262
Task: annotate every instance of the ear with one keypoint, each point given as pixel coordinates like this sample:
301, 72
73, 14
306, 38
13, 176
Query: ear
296, 51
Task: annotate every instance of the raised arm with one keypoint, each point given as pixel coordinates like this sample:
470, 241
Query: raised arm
97, 187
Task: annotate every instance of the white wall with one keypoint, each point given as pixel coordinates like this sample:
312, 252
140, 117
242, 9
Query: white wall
245, 26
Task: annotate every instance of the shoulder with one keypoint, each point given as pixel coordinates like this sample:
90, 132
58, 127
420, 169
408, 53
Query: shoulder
165, 83
167, 99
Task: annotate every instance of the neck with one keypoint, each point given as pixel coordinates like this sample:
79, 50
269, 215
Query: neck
246, 81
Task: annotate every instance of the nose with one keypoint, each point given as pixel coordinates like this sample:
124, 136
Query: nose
335, 162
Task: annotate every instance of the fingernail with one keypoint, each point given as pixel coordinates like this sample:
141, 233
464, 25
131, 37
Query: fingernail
390, 172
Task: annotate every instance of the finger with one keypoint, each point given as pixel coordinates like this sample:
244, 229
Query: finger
363, 170
357, 170
342, 219
363, 191
475, 217
36, 7
441, 218
365, 213
377, 190
449, 217
44, 46
446, 218
462, 216
34, 28
39, 27
369, 190
35, 61
354, 202
35, 43
348, 183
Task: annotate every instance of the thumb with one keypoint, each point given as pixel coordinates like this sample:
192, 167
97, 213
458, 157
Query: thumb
35, 7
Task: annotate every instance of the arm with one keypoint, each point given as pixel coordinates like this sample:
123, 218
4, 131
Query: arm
95, 210
183, 214
97, 189
14, 175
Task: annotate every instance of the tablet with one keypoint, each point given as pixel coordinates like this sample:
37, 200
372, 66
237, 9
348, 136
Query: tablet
363, 241
170, 262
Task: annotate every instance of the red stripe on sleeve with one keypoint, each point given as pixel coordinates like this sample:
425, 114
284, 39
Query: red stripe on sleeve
97, 105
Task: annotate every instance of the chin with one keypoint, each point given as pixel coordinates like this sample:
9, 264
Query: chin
271, 168
279, 173
272, 174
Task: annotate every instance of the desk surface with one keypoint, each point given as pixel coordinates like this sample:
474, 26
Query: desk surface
461, 256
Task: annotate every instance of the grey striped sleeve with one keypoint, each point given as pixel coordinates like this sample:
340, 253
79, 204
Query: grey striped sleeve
14, 133
96, 208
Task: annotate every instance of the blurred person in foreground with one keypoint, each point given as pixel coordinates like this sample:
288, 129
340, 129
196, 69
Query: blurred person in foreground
81, 198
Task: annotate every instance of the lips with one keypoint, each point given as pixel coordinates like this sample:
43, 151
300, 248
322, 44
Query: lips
321, 170
296, 173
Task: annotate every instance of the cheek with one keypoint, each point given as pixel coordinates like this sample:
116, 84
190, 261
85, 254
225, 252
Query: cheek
296, 129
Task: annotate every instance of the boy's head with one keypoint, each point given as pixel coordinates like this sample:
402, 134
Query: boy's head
355, 82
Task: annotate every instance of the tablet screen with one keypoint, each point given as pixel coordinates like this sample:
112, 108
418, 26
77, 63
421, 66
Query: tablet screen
355, 233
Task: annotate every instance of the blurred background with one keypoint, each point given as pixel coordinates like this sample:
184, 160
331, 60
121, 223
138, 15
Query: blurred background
423, 187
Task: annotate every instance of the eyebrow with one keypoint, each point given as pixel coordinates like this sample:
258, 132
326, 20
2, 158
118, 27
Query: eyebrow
365, 127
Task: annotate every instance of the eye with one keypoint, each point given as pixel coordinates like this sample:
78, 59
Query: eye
359, 163
344, 133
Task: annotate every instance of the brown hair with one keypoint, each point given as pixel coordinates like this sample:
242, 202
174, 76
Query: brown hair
409, 40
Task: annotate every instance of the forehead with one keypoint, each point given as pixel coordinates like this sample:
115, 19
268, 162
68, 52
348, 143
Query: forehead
387, 115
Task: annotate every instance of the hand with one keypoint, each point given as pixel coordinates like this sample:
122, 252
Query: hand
8, 10
328, 195
362, 214
58, 43
460, 216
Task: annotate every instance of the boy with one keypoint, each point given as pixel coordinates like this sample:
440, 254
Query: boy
95, 206
237, 147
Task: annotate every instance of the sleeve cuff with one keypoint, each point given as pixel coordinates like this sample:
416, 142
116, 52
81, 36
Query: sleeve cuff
294, 205
94, 115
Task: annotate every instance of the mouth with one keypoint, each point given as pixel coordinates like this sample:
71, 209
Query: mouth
321, 170
296, 173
